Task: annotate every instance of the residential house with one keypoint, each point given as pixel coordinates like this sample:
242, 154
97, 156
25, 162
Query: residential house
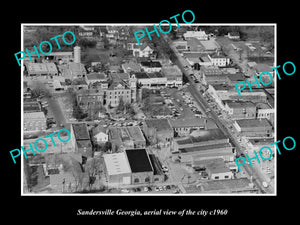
100, 134
143, 50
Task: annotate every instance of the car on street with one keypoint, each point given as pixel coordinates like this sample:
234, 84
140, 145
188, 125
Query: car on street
165, 168
146, 189
124, 190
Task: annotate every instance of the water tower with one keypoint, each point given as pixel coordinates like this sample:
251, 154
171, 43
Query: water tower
77, 54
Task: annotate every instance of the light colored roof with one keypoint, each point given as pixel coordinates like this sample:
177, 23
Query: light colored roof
171, 70
60, 54
189, 122
116, 163
253, 123
209, 44
133, 133
41, 67
34, 115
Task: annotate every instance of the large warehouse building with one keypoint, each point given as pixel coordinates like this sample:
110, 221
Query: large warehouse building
132, 166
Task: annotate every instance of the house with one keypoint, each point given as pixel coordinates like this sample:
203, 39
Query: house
83, 143
240, 109
100, 134
235, 35
158, 131
143, 50
254, 127
200, 35
126, 138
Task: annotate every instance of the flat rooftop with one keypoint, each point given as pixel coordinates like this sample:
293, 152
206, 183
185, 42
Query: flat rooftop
188, 122
261, 141
80, 131
158, 124
248, 123
41, 68
204, 135
116, 163
205, 148
138, 160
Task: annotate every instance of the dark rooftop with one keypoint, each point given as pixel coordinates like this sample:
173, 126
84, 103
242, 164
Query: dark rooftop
151, 64
138, 160
80, 131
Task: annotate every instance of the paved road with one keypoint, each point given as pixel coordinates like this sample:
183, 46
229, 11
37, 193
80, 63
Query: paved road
57, 112
257, 177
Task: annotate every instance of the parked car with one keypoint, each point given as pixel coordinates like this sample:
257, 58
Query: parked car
125, 191
146, 189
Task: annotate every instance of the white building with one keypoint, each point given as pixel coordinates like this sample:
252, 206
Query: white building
219, 59
200, 35
117, 168
77, 54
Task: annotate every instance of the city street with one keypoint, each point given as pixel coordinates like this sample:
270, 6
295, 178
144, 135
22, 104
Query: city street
257, 178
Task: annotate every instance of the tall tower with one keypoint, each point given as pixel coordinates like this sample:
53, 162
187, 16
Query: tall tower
77, 54
132, 85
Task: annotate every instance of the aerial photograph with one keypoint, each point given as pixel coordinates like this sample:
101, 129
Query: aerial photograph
131, 109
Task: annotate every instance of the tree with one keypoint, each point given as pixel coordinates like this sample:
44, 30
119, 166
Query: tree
121, 105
